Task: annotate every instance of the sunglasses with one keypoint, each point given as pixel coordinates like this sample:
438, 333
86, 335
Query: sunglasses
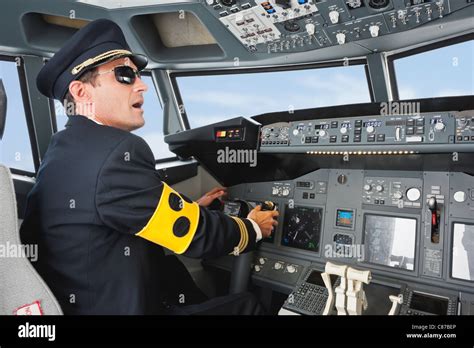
123, 74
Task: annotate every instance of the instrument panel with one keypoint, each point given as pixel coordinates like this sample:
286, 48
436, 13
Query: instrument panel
282, 26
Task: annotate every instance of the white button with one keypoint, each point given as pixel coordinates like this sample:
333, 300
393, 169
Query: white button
460, 196
257, 268
322, 133
379, 188
261, 261
343, 130
310, 28
413, 194
291, 269
397, 195
278, 265
370, 129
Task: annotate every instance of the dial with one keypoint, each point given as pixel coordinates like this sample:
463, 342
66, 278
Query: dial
379, 188
367, 187
370, 129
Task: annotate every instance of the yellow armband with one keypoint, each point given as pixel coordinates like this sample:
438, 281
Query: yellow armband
174, 222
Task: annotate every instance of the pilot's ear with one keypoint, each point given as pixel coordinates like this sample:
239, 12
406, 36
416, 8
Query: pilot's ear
79, 91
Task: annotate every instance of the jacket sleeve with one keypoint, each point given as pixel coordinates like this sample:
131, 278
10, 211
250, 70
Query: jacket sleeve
132, 199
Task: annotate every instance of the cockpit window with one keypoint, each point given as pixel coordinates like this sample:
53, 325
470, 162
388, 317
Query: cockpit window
15, 147
212, 98
441, 72
152, 131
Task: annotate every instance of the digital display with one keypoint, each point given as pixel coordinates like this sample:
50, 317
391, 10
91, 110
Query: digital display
253, 204
463, 252
373, 123
390, 241
345, 218
316, 279
429, 304
395, 123
231, 208
346, 125
322, 126
302, 227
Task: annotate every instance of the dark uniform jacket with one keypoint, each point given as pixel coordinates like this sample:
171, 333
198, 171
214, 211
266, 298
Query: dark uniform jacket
101, 216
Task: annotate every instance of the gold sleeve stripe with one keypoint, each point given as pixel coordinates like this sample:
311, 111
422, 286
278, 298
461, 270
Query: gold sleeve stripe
78, 68
244, 236
174, 222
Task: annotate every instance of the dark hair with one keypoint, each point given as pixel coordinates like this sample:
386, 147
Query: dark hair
69, 103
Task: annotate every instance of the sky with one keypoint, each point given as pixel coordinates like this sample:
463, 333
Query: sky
208, 99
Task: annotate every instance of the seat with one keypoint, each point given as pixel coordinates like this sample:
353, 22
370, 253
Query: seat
22, 291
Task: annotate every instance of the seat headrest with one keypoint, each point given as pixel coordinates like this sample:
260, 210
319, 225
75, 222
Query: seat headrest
8, 213
3, 108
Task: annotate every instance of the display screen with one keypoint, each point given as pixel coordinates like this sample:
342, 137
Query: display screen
322, 126
316, 279
390, 241
270, 239
463, 252
373, 123
344, 218
231, 208
302, 227
429, 304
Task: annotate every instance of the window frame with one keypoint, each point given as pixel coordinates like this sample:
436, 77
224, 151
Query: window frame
28, 115
331, 64
419, 50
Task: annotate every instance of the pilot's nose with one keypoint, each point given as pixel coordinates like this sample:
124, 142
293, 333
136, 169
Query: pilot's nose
140, 86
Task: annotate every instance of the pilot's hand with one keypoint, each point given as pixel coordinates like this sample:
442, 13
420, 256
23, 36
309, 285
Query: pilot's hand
264, 219
207, 199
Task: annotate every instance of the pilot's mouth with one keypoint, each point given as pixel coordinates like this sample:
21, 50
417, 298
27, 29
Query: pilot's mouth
137, 105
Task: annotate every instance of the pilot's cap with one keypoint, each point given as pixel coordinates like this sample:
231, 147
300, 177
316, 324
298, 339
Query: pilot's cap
97, 43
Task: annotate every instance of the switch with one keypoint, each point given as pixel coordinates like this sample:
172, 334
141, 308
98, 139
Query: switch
341, 38
334, 17
310, 28
374, 30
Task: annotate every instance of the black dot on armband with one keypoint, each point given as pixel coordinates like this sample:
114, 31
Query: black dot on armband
187, 199
181, 226
175, 202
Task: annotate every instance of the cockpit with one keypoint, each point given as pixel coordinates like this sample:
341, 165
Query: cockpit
354, 119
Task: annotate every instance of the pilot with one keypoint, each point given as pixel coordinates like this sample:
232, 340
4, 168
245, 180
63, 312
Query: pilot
99, 212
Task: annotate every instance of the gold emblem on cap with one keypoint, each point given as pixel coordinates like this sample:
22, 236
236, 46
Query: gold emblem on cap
78, 68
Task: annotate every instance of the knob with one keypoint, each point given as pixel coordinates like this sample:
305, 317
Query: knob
291, 269
295, 132
322, 133
310, 28
334, 17
285, 192
370, 129
341, 38
278, 265
367, 187
397, 195
460, 196
462, 122
210, 2
275, 190
439, 127
257, 268
374, 30
413, 194
261, 261
343, 130
379, 188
